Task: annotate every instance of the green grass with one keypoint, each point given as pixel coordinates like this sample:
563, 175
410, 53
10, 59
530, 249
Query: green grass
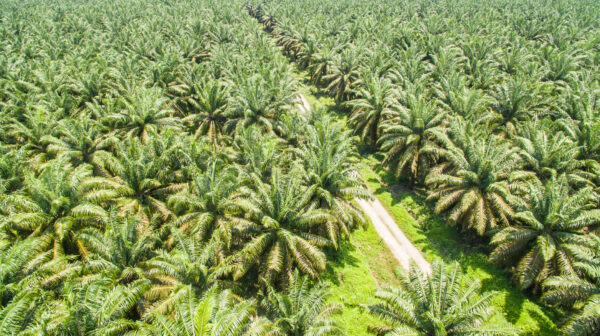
359, 267
438, 241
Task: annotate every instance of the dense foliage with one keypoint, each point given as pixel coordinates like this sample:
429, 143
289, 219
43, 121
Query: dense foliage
156, 177
490, 108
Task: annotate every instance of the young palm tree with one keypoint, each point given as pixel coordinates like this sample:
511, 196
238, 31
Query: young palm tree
275, 230
475, 186
550, 235
406, 138
368, 111
443, 303
302, 309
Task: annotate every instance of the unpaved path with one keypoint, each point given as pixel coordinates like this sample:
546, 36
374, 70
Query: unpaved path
384, 224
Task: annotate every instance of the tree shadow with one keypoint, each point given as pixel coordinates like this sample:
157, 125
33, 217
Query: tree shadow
339, 259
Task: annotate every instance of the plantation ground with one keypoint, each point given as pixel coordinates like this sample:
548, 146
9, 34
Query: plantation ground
411, 213
443, 242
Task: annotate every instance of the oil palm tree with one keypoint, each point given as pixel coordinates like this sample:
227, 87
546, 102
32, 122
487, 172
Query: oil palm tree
329, 158
584, 129
443, 303
145, 111
78, 139
87, 307
12, 169
202, 207
216, 314
257, 152
136, 182
475, 185
52, 207
118, 249
187, 266
407, 141
514, 101
548, 152
302, 309
374, 102
30, 132
254, 103
275, 230
576, 292
549, 236
207, 111
342, 75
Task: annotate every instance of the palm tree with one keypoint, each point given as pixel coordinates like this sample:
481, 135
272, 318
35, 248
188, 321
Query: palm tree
145, 112
119, 249
321, 63
12, 169
275, 230
406, 138
216, 314
138, 181
78, 139
476, 185
514, 101
549, 153
206, 109
30, 133
549, 235
375, 101
342, 75
584, 129
258, 152
202, 207
254, 103
574, 291
15, 316
443, 303
87, 307
329, 159
584, 323
186, 267
53, 209
302, 309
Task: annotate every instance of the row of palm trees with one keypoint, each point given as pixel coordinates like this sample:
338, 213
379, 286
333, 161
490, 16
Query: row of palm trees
156, 179
498, 124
